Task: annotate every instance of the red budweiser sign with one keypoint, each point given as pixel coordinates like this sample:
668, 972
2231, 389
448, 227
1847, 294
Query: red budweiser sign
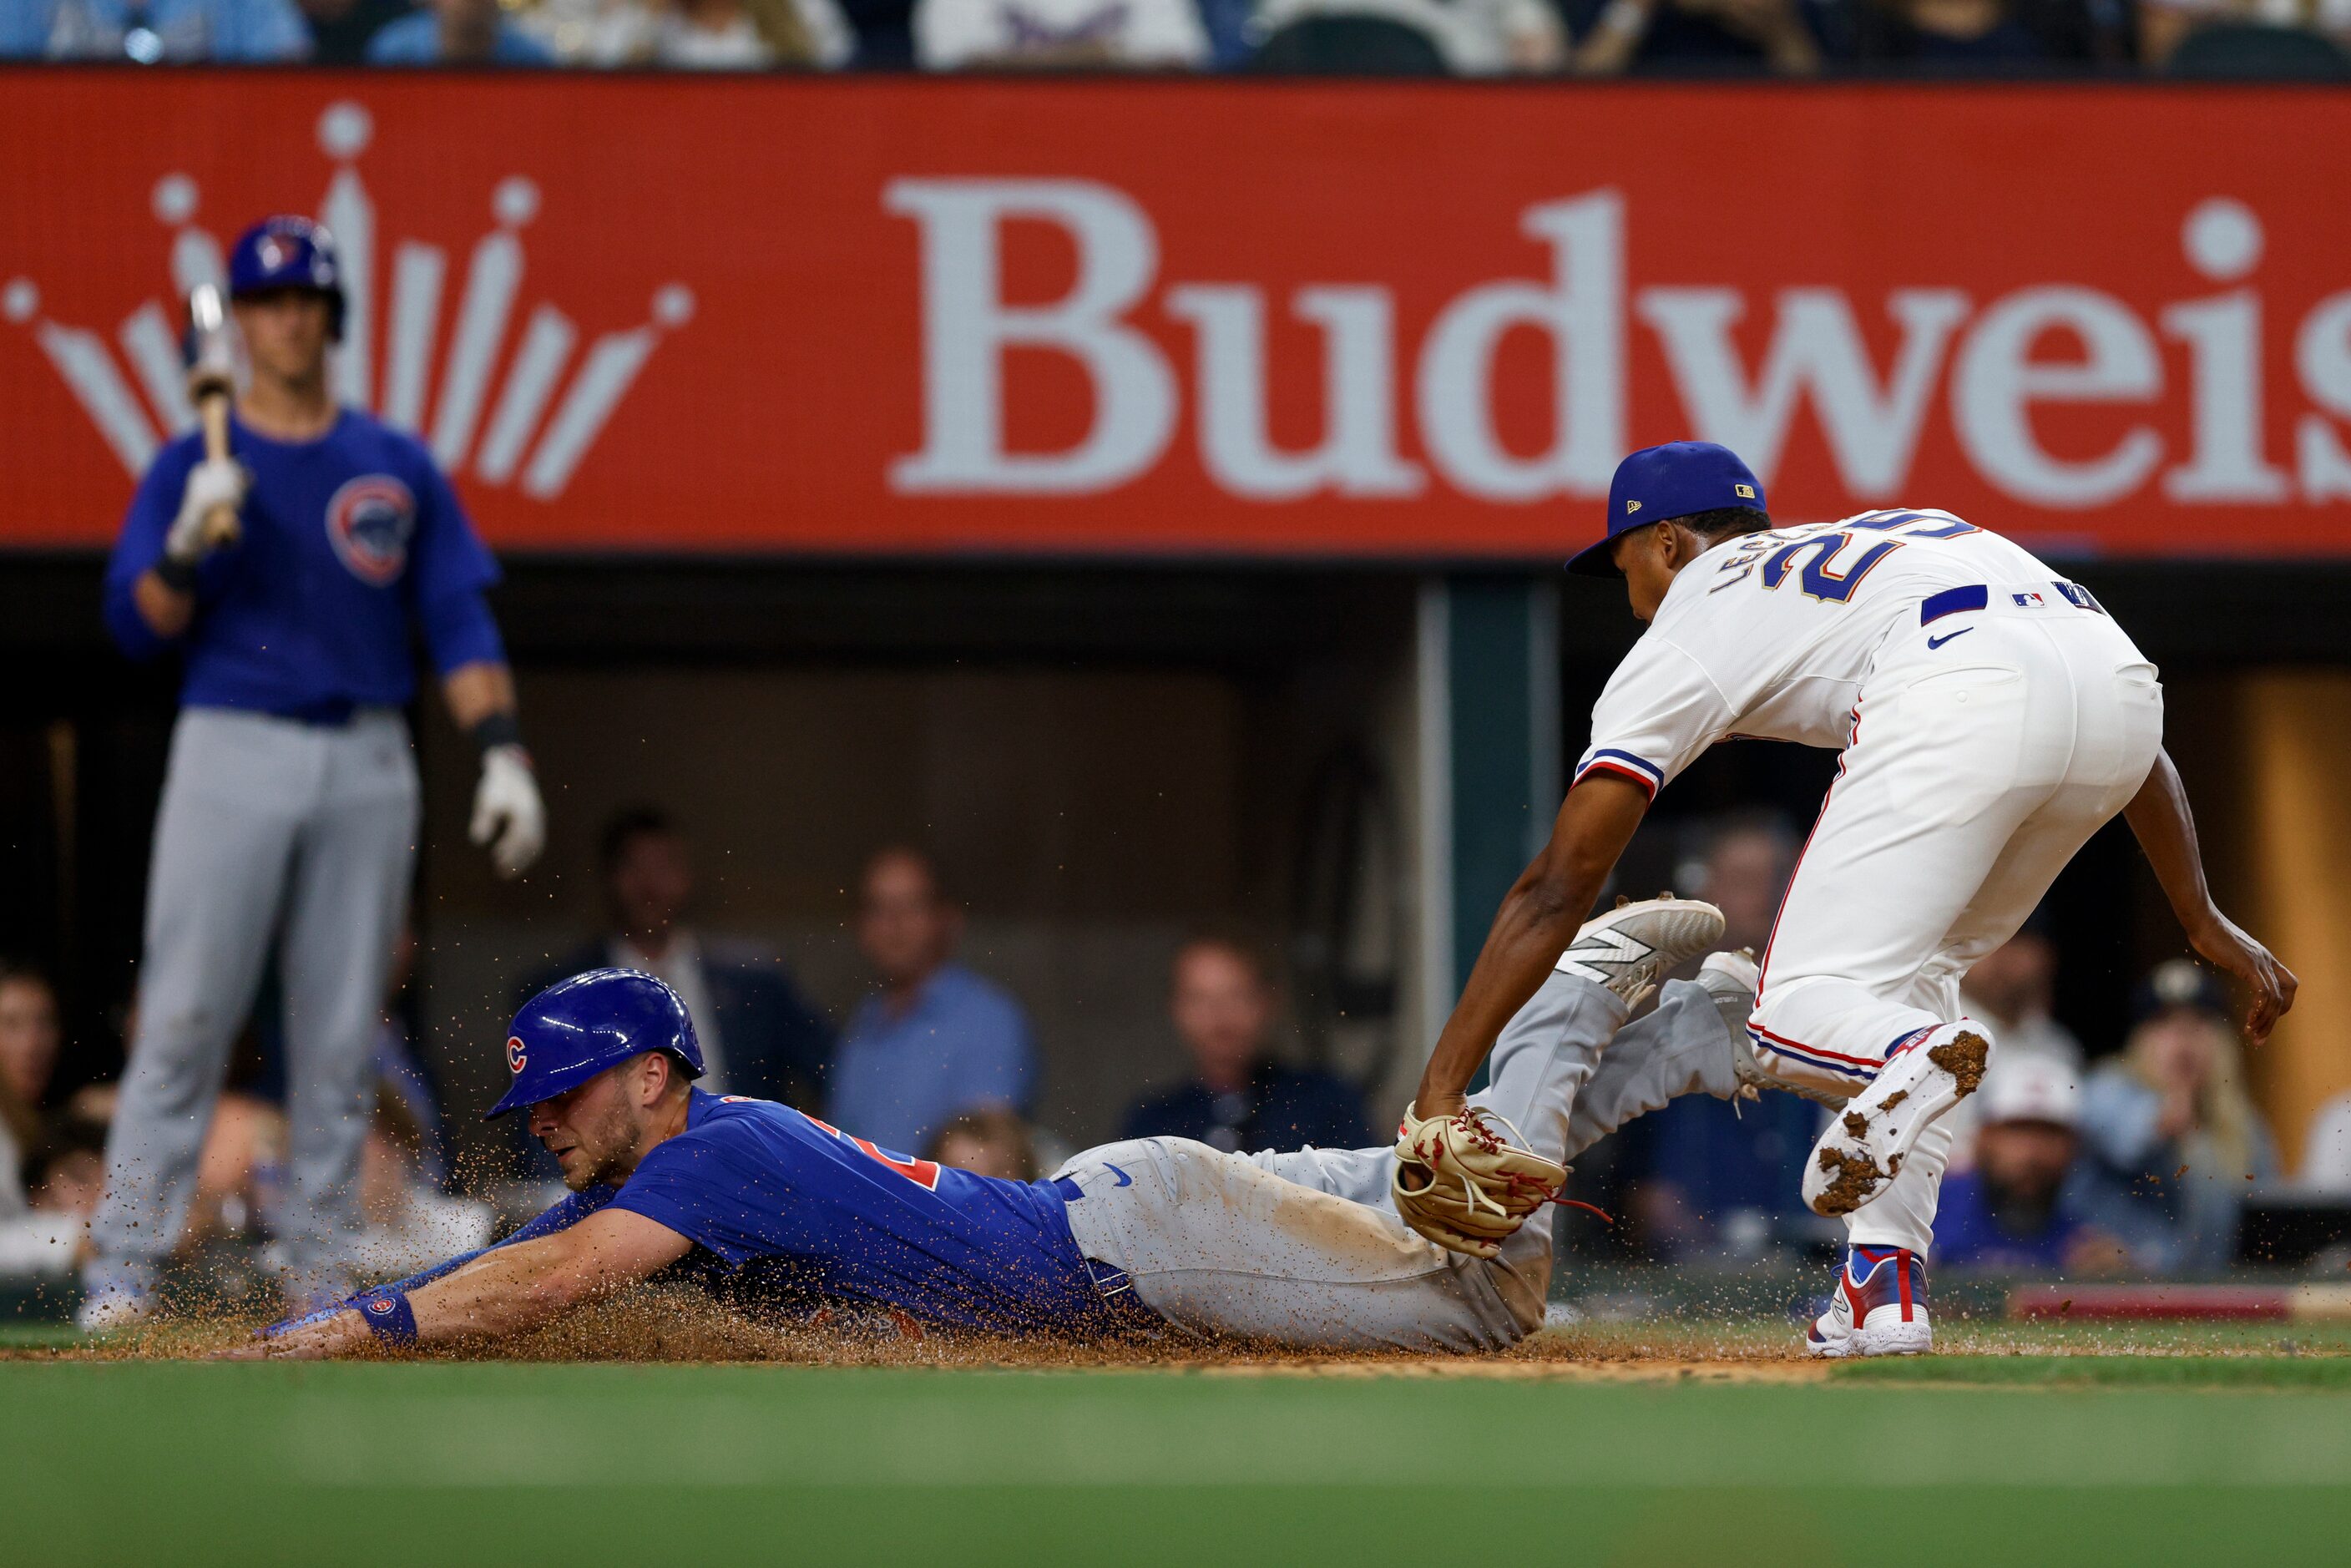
1219, 316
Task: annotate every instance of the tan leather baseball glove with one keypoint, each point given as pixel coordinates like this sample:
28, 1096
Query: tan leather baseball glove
1463, 1183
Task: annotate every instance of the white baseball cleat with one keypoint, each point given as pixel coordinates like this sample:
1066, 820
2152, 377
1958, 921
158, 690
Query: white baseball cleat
1865, 1145
1878, 1307
114, 1299
1631, 947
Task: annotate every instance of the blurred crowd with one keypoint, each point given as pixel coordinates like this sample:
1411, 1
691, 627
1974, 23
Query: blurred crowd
2140, 1160
2241, 38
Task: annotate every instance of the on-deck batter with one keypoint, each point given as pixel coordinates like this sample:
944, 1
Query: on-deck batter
289, 808
1993, 716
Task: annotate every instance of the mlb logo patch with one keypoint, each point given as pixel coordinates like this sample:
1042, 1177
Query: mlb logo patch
1744, 492
2029, 601
1631, 507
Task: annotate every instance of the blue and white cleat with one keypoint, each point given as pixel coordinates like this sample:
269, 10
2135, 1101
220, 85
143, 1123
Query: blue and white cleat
1878, 1307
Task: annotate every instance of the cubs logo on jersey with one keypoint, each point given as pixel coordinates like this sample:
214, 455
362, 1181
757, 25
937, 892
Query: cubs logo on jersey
370, 521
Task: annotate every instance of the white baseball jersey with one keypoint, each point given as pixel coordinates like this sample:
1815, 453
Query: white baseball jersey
1771, 636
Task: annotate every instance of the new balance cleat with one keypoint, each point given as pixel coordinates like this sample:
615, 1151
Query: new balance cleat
1865, 1145
1633, 946
1878, 1307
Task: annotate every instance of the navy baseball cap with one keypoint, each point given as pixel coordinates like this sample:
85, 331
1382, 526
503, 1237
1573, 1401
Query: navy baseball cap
2180, 983
1658, 483
577, 1028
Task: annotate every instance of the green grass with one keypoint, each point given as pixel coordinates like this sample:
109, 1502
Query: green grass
454, 1463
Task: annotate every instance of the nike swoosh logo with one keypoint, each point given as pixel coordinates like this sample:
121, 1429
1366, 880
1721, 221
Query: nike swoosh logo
1938, 642
1124, 1179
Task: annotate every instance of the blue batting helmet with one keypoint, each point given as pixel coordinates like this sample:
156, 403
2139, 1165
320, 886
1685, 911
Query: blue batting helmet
577, 1028
287, 252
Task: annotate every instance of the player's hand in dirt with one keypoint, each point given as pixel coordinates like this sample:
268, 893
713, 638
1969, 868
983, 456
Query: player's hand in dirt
1465, 1182
2272, 983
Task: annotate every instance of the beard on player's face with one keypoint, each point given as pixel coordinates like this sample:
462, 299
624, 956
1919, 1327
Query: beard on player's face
592, 1130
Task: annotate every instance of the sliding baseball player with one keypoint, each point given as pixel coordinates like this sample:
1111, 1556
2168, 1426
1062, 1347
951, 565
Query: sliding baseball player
780, 1215
1991, 716
291, 573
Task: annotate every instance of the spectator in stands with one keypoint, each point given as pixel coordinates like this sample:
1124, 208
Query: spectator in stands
340, 30
1239, 1098
1059, 35
2011, 988
2168, 1120
994, 1142
695, 35
457, 33
1719, 1175
937, 1039
2029, 1204
2326, 1156
28, 1035
65, 1166
1475, 37
1617, 38
2165, 25
758, 1035
155, 32
1989, 36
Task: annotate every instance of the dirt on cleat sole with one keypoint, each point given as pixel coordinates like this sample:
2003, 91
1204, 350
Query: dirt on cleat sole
1962, 1056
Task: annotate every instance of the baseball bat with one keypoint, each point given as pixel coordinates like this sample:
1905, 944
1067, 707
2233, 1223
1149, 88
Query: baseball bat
211, 383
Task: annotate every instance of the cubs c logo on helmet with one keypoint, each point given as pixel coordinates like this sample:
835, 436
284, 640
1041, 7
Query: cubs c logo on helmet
514, 1057
370, 522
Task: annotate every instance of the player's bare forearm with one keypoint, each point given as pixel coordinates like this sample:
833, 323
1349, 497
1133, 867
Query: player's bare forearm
2160, 819
167, 610
476, 691
508, 1290
1538, 919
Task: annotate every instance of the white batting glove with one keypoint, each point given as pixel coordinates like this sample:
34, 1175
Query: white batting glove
508, 814
214, 482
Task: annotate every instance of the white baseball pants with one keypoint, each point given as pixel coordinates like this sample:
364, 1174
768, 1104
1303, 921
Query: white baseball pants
1305, 1248
1987, 747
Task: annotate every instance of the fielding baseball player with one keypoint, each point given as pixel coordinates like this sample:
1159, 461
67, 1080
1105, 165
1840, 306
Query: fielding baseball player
1991, 716
781, 1214
289, 808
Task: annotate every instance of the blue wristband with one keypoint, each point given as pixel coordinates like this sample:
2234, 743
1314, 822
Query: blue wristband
387, 1314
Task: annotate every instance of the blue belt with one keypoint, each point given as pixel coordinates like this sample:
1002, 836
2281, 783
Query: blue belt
326, 712
1976, 596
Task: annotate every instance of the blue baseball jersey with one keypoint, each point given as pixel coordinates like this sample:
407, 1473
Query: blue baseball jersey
784, 1211
351, 543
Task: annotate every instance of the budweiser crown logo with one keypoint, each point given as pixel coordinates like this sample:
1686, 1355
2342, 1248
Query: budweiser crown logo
500, 431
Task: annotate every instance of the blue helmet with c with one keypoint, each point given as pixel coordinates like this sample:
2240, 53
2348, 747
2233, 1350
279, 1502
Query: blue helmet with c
287, 252
577, 1028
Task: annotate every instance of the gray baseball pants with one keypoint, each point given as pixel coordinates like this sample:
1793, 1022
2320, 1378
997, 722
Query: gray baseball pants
1305, 1248
269, 829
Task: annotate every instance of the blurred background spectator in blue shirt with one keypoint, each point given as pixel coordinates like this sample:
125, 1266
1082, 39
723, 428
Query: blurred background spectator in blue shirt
2170, 1119
2030, 1204
155, 32
457, 33
1240, 1099
936, 1039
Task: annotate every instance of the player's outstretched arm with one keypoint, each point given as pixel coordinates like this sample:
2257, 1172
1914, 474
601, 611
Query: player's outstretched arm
2165, 828
504, 1290
1538, 919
